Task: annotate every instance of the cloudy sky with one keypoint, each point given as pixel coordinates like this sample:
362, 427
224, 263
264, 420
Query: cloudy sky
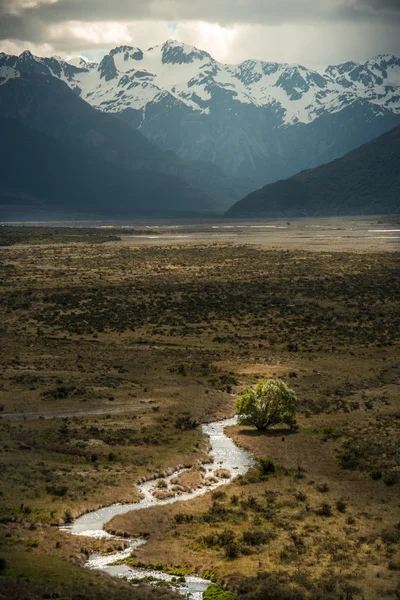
311, 32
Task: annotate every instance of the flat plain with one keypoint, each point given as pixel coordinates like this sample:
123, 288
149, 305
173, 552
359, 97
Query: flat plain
110, 336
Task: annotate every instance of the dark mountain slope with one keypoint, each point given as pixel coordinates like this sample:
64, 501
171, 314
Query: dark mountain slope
43, 176
50, 106
365, 181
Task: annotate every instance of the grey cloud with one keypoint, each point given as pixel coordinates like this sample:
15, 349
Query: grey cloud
31, 20
222, 11
382, 5
13, 27
384, 11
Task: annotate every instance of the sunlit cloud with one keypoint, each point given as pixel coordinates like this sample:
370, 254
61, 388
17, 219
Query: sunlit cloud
311, 32
91, 34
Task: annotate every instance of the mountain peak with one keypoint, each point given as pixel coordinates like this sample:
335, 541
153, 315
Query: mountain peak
78, 61
128, 52
26, 55
175, 44
121, 49
174, 52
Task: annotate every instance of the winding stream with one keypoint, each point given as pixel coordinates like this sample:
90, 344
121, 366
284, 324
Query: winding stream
225, 455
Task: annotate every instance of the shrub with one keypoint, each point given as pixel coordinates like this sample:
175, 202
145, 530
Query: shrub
178, 571
183, 518
3, 564
218, 540
325, 510
68, 518
271, 402
391, 536
57, 490
267, 467
391, 478
218, 495
323, 488
211, 575
300, 496
257, 538
299, 473
216, 592
232, 551
185, 423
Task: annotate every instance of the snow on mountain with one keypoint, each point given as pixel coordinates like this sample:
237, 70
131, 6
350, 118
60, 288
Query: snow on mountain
128, 77
237, 116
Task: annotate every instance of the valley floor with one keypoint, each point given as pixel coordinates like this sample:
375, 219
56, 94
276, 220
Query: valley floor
107, 345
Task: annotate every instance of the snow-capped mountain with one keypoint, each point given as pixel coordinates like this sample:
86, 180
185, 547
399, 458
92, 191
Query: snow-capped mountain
260, 119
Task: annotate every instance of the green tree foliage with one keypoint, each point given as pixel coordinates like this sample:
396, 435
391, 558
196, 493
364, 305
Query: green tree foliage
269, 403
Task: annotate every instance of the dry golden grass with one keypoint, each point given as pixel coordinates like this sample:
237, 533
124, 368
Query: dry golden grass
160, 332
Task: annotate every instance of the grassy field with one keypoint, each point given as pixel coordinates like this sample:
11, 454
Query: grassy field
146, 335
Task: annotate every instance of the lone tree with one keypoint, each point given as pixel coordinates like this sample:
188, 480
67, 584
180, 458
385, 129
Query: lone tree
269, 403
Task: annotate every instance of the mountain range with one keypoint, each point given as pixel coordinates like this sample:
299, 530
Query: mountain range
45, 103
181, 132
365, 181
259, 120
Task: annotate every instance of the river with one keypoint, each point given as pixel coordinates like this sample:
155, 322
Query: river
225, 455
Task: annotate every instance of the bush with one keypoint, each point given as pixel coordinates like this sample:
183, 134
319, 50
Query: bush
57, 490
391, 536
300, 496
391, 478
216, 592
325, 510
68, 518
218, 540
257, 538
185, 423
323, 488
267, 467
271, 402
294, 586
3, 564
218, 495
232, 551
183, 518
211, 575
